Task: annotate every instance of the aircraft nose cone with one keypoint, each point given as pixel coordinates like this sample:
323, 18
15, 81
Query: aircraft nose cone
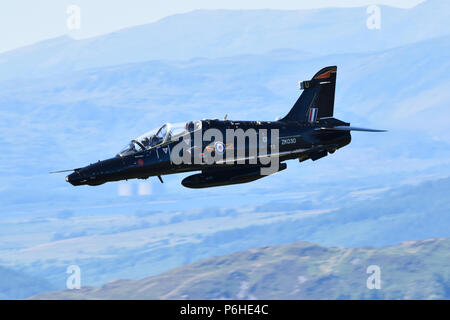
74, 178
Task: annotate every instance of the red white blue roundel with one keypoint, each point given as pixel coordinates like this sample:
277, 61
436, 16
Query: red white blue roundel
219, 146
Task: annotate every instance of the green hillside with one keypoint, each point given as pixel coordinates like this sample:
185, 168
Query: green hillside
411, 270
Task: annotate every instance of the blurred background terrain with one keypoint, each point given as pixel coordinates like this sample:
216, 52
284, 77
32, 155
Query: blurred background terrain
65, 103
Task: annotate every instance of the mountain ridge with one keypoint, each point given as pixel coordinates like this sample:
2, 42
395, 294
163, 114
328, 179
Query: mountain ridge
218, 33
295, 271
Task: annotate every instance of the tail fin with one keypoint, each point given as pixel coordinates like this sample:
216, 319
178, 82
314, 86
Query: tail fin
317, 99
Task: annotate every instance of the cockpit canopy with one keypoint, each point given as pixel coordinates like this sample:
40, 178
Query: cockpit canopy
164, 134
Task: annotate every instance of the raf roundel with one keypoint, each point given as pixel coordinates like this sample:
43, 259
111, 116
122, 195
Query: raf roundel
219, 146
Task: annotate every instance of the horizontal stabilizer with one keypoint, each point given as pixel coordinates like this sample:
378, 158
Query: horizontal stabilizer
348, 128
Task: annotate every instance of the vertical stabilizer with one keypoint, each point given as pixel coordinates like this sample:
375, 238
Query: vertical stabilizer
317, 98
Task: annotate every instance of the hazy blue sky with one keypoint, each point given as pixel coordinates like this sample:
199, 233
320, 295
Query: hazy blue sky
24, 22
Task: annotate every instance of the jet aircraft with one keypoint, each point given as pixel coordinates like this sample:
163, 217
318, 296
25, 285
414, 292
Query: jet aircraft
225, 152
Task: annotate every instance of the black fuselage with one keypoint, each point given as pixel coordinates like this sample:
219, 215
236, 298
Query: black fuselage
297, 140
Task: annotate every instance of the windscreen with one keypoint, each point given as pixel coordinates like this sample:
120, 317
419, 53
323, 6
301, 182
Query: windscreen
166, 133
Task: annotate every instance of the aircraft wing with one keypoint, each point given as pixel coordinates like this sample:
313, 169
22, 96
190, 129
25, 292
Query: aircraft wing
283, 153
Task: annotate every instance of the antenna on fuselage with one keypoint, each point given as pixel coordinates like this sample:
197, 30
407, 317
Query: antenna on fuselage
225, 117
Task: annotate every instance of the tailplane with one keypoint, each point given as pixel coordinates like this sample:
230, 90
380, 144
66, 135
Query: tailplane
317, 98
349, 128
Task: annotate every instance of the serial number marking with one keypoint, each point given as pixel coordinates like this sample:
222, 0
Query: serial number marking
288, 141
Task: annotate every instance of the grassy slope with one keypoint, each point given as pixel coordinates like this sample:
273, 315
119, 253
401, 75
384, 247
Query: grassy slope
411, 270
